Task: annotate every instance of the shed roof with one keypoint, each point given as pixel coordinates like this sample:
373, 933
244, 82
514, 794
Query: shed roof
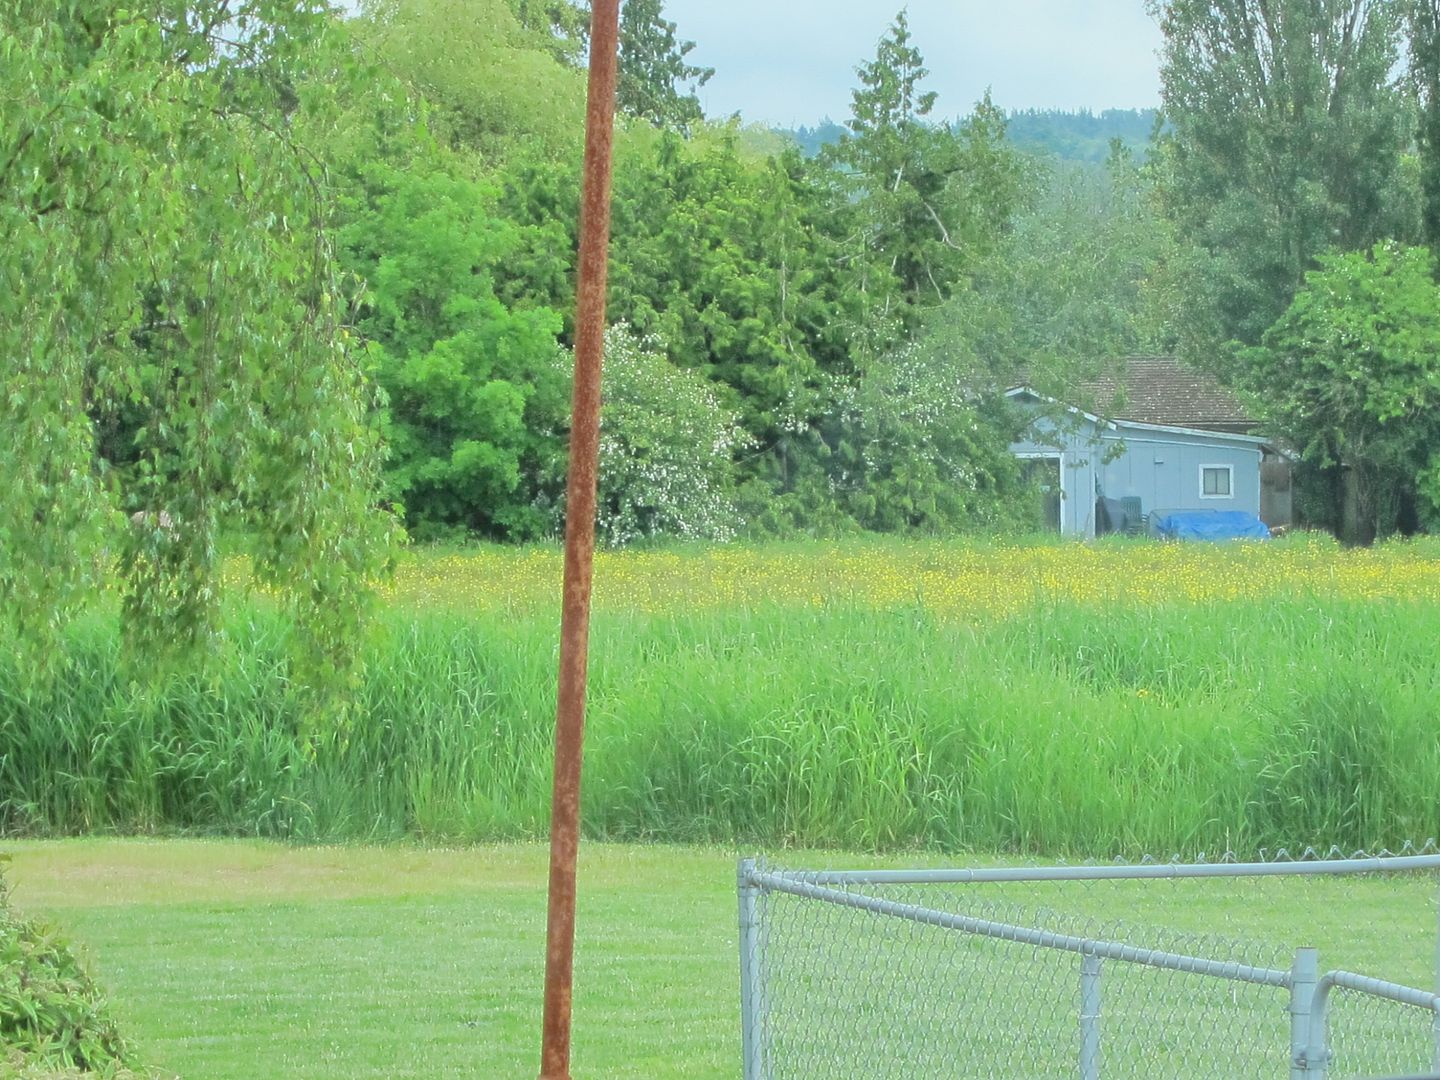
1118, 423
1162, 390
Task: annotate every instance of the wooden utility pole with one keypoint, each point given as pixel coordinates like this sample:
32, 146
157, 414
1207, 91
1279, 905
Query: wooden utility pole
579, 538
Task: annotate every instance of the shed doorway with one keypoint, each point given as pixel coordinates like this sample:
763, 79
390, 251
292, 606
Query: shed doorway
1042, 472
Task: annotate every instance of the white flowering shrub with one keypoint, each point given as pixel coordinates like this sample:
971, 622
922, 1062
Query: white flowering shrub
667, 448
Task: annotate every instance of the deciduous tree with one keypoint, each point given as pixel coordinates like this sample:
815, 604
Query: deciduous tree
562, 25
474, 403
667, 448
167, 250
1350, 375
920, 450
491, 84
1425, 69
1286, 136
1069, 289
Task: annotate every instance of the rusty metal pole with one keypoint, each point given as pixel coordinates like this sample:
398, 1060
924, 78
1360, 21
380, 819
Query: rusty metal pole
579, 539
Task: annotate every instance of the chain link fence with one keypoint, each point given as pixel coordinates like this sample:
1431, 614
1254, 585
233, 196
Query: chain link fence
1308, 967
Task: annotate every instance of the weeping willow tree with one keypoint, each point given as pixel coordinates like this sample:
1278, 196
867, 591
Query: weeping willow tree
176, 369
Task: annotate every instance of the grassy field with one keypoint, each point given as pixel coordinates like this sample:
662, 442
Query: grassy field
924, 699
964, 580
229, 960
238, 960
1093, 699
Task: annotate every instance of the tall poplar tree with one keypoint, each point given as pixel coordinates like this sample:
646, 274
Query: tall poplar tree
1286, 137
1425, 68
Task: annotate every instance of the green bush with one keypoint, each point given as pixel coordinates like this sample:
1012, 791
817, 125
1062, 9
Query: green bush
53, 1018
475, 401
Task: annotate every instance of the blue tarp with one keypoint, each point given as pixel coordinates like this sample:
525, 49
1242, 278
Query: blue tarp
1209, 525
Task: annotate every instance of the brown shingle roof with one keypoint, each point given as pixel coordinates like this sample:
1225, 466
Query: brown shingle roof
1162, 390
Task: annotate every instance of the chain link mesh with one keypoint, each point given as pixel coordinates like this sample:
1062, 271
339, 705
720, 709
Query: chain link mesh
1366, 1032
852, 993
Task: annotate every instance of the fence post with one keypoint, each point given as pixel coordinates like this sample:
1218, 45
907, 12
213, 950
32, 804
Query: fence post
1304, 974
1090, 1017
1435, 1061
750, 987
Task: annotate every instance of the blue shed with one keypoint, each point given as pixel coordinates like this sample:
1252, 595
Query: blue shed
1085, 464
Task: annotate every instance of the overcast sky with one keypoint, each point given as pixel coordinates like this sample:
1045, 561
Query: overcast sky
793, 62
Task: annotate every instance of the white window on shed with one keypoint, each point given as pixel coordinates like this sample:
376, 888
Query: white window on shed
1217, 481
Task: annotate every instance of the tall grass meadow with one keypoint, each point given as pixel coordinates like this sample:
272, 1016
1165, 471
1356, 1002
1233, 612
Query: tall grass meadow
1065, 726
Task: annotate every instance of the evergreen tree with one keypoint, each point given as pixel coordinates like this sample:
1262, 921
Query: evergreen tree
929, 200
657, 83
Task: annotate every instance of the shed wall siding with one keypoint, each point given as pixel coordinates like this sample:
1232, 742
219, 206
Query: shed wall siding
1162, 469
1165, 474
1079, 451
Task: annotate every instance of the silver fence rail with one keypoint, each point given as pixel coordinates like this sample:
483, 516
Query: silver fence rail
1085, 971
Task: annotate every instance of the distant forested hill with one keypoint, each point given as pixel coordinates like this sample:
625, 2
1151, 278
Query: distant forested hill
1069, 136
812, 139
1079, 136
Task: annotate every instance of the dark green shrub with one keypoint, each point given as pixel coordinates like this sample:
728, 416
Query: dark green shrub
53, 1019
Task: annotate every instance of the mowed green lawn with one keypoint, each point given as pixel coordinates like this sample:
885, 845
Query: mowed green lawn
254, 959
244, 960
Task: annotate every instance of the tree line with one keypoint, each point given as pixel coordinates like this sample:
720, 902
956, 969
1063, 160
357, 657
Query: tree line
850, 315
1302, 170
295, 275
